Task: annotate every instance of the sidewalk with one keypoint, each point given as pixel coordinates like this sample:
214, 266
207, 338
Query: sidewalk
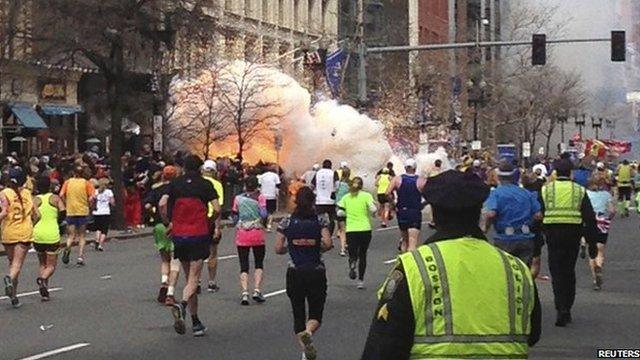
146, 231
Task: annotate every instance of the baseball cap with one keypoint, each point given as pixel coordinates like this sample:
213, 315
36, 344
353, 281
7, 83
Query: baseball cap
169, 172
410, 163
210, 165
455, 190
344, 164
600, 165
476, 163
316, 166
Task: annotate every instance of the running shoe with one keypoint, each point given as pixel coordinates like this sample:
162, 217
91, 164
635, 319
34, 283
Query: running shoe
179, 313
96, 245
352, 270
383, 225
42, 287
598, 281
199, 289
162, 294
213, 288
343, 252
583, 251
360, 285
100, 248
309, 350
170, 300
80, 262
15, 302
8, 286
258, 297
198, 329
245, 299
65, 256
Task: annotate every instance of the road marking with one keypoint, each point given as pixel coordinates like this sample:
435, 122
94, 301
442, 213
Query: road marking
391, 261
57, 351
275, 293
30, 293
227, 257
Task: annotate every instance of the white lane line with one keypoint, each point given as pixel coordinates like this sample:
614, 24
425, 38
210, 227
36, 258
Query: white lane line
30, 293
57, 351
227, 257
391, 261
275, 293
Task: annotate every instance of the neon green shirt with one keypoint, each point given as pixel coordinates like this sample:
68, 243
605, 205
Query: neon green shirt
357, 209
217, 185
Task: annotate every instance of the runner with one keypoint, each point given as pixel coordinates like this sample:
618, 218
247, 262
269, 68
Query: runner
249, 213
624, 176
382, 184
408, 189
184, 210
77, 194
46, 233
169, 268
269, 187
532, 182
308, 175
305, 235
356, 206
342, 190
325, 183
209, 171
102, 213
17, 216
605, 210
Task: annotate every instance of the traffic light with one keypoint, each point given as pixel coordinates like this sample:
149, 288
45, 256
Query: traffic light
539, 49
618, 46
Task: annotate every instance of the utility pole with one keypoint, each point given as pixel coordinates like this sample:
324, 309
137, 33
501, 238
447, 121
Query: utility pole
362, 53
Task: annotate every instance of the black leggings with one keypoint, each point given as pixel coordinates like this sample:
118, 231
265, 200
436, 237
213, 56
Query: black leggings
243, 256
308, 285
357, 245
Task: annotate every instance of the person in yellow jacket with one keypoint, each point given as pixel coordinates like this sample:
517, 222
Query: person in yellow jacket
624, 176
209, 172
567, 215
383, 180
456, 296
17, 216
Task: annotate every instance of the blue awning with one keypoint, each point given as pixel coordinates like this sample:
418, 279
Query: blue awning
28, 117
49, 109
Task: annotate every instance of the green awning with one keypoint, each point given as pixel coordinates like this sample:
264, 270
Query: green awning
28, 117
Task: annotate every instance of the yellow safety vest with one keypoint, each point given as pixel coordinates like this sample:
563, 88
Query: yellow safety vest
469, 299
624, 175
562, 202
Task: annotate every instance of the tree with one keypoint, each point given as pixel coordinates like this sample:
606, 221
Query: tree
121, 38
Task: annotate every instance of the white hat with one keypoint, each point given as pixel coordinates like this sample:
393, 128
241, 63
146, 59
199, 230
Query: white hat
209, 165
410, 163
476, 163
316, 166
344, 164
600, 165
542, 168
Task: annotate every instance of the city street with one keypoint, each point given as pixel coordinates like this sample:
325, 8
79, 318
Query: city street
107, 309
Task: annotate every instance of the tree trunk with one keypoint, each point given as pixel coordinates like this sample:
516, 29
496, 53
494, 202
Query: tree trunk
115, 106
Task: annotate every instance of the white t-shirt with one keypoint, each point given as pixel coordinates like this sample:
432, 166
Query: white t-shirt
103, 200
325, 186
268, 182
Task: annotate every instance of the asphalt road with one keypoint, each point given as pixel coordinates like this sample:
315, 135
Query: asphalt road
110, 305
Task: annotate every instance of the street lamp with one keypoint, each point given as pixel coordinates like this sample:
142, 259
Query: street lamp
596, 124
580, 123
476, 99
562, 119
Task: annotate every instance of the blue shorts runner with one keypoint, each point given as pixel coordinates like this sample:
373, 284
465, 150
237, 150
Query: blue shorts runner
77, 220
409, 219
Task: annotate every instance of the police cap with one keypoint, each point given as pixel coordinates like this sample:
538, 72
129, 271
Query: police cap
455, 190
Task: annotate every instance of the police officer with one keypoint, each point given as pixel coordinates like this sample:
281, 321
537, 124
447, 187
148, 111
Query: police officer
565, 209
456, 296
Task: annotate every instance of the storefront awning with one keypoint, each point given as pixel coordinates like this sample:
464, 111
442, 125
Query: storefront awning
28, 117
48, 109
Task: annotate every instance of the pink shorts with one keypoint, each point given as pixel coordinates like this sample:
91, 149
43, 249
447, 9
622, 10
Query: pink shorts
253, 237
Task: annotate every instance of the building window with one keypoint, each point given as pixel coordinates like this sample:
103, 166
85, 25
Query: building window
310, 18
265, 10
281, 11
296, 14
228, 5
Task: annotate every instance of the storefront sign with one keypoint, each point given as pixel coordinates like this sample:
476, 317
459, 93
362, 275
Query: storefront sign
53, 91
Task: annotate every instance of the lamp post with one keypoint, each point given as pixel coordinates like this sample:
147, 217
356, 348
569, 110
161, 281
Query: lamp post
562, 119
477, 100
580, 123
611, 125
596, 124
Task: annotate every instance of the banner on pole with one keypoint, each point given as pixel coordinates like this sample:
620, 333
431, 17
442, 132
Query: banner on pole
333, 70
